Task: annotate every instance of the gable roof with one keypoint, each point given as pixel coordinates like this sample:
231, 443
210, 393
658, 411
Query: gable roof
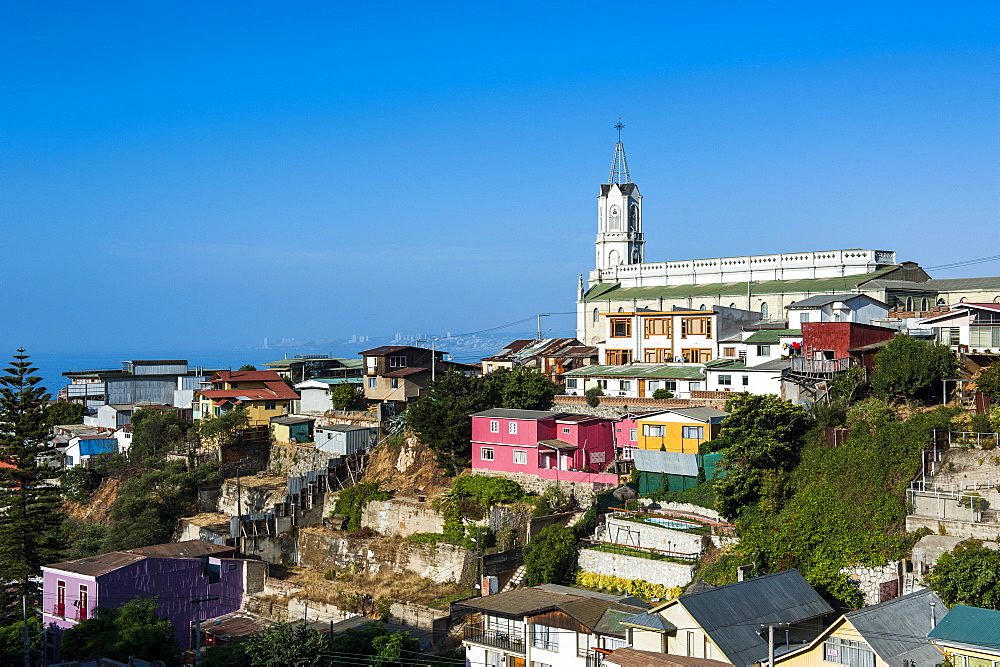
698, 413
956, 308
666, 463
897, 629
772, 335
649, 621
969, 625
731, 615
94, 566
246, 376
185, 549
820, 300
631, 657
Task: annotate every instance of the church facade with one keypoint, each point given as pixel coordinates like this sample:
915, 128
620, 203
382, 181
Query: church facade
622, 281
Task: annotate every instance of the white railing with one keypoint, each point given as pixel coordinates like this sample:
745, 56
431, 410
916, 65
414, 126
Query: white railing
819, 366
973, 439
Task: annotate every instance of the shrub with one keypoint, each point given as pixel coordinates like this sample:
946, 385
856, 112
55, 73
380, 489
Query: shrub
351, 502
637, 587
593, 395
547, 555
663, 393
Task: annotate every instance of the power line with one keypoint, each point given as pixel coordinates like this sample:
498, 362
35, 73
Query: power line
967, 262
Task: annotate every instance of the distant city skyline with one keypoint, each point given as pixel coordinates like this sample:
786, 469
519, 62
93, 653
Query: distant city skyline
201, 178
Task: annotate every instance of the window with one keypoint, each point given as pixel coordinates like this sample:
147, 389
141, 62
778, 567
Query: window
763, 350
948, 335
618, 357
520, 457
83, 604
702, 307
657, 326
985, 337
725, 380
803, 318
494, 426
544, 637
621, 328
693, 432
571, 383
652, 386
372, 383
729, 351
923, 304
670, 384
486, 453
397, 362
628, 453
653, 430
603, 384
847, 652
694, 386
763, 310
696, 326
60, 609
941, 302
746, 380
394, 383
540, 664
270, 405
512, 428
566, 429
633, 434
494, 659
696, 355
625, 385
655, 355
596, 316
582, 644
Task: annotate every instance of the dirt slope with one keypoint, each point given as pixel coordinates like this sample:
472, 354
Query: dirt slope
408, 469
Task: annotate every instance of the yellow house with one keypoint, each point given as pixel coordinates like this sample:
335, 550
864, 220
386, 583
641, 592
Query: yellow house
888, 634
968, 636
724, 623
679, 429
263, 394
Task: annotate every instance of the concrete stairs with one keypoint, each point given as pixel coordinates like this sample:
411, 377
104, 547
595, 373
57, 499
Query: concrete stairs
516, 579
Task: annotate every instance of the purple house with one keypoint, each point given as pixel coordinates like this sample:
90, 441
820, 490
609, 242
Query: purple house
175, 574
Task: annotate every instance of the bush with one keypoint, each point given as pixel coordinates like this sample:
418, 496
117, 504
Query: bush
488, 490
547, 555
637, 587
352, 501
663, 393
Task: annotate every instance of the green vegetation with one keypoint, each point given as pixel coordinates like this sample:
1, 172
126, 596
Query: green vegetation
988, 382
441, 417
132, 630
663, 393
839, 506
760, 441
299, 645
548, 554
593, 396
909, 368
246, 367
29, 531
968, 575
702, 494
222, 431
552, 501
623, 550
487, 490
352, 501
11, 641
347, 396
63, 413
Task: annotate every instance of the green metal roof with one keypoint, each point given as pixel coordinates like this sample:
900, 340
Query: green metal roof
639, 371
606, 291
726, 365
969, 625
771, 335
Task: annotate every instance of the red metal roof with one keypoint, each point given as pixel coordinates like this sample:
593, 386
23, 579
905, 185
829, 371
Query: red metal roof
404, 372
246, 376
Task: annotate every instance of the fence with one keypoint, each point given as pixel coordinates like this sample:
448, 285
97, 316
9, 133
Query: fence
803, 366
641, 552
973, 440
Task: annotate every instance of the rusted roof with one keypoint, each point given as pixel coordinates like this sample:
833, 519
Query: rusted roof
186, 549
94, 566
590, 611
246, 376
235, 625
518, 602
384, 350
630, 657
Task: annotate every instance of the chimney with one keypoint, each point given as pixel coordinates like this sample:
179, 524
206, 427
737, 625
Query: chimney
742, 571
933, 615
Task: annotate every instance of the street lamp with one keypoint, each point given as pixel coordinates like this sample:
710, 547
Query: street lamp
540, 316
433, 342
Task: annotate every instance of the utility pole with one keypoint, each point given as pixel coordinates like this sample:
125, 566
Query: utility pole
25, 638
197, 627
239, 513
540, 316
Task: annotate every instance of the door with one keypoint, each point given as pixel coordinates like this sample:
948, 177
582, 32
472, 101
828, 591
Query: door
515, 662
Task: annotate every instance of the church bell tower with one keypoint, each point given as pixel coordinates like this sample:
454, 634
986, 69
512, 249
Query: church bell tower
619, 215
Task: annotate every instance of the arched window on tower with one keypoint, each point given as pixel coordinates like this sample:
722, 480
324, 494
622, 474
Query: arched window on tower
633, 218
597, 317
732, 305
701, 307
924, 304
909, 303
621, 309
763, 310
941, 302
614, 219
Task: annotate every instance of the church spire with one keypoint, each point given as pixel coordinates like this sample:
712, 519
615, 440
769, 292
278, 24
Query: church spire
619, 167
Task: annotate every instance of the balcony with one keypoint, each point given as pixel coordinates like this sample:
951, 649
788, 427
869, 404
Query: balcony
59, 609
502, 640
818, 367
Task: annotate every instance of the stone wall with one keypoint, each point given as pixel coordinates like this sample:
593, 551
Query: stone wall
292, 460
322, 549
632, 533
868, 579
963, 529
584, 493
401, 517
256, 494
418, 616
633, 567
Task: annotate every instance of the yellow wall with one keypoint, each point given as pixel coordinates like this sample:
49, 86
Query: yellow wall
973, 657
259, 416
672, 440
813, 656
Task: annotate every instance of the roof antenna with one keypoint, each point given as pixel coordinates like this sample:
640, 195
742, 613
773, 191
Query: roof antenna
619, 167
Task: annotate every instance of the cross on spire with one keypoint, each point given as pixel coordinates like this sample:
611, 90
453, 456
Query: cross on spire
619, 166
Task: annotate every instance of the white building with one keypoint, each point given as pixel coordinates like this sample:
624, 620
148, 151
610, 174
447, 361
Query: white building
858, 308
756, 346
637, 380
761, 379
344, 439
82, 449
315, 393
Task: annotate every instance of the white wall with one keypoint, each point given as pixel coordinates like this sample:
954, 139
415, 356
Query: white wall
315, 400
758, 382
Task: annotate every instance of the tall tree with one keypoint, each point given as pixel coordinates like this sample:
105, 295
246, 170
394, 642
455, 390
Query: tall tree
988, 382
968, 575
910, 368
522, 388
32, 512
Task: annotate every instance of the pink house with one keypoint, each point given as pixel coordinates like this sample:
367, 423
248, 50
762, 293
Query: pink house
626, 436
550, 445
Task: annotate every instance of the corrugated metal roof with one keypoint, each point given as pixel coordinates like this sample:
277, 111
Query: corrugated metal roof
640, 371
666, 463
990, 282
97, 565
504, 413
837, 284
969, 625
630, 657
518, 602
700, 413
820, 300
897, 629
557, 444
649, 621
773, 365
185, 549
732, 615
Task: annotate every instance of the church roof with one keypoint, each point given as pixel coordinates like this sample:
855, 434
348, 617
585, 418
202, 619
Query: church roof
626, 188
614, 291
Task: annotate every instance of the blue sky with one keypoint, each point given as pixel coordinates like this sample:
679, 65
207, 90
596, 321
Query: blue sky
201, 175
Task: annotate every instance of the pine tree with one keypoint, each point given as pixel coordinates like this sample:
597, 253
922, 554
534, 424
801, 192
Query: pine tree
30, 508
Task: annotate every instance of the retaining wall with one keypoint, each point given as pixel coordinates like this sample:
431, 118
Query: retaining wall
963, 529
633, 567
636, 534
868, 579
584, 493
401, 517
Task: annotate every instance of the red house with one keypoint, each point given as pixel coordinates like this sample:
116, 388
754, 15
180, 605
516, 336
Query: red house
550, 445
837, 340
